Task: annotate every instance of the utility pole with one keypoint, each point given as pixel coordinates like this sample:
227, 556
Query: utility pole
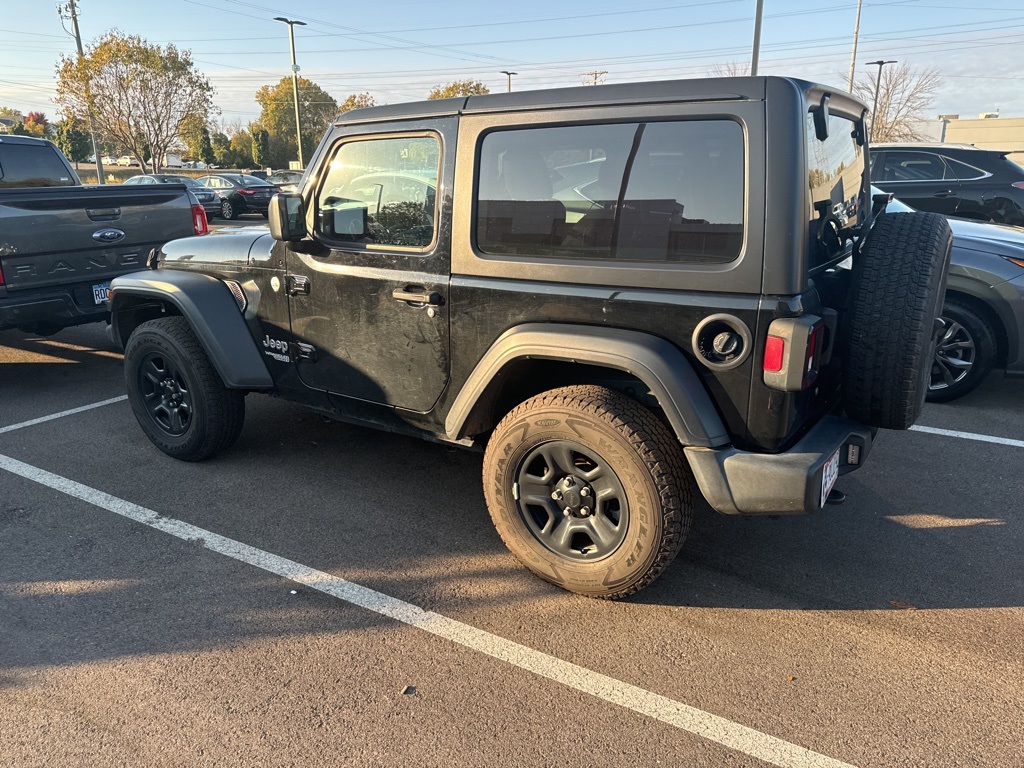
757, 38
295, 80
73, 11
853, 55
878, 84
596, 75
509, 74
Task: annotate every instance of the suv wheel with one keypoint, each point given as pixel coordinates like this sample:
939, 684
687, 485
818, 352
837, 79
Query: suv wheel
178, 397
899, 279
588, 489
964, 353
227, 210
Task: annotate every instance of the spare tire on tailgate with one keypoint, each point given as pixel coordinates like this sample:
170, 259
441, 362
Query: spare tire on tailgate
899, 279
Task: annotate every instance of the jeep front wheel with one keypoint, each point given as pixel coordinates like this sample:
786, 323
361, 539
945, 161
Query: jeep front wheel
176, 394
589, 490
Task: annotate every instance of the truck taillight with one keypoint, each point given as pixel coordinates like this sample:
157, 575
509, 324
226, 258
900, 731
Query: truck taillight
1, 275
199, 222
793, 351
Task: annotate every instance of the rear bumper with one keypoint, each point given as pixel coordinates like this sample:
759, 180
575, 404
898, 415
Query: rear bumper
737, 482
60, 306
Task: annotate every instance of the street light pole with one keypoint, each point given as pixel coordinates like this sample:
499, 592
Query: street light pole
878, 84
506, 72
295, 81
757, 38
88, 91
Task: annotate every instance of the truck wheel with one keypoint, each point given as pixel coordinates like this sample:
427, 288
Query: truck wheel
964, 355
178, 397
899, 279
588, 489
227, 210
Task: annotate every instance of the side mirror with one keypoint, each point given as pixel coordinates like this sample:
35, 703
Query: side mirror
287, 217
821, 118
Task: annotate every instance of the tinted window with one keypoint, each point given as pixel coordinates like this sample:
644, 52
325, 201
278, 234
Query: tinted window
669, 191
252, 181
912, 166
32, 165
835, 178
963, 171
381, 192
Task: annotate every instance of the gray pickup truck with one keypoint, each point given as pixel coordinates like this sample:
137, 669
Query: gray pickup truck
61, 243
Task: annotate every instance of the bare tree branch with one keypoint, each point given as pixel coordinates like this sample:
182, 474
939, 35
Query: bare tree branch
904, 97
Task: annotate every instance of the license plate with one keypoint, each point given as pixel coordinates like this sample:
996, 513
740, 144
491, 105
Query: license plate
829, 475
100, 292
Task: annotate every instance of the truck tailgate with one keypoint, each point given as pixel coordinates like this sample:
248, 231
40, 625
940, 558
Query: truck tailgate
58, 235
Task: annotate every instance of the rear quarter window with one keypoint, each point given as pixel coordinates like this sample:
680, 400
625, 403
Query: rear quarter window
668, 191
28, 165
835, 182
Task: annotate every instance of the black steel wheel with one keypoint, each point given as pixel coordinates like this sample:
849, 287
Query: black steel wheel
964, 354
228, 210
176, 394
588, 489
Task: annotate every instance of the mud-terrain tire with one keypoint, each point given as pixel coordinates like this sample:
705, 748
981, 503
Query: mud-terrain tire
585, 443
178, 397
899, 279
965, 353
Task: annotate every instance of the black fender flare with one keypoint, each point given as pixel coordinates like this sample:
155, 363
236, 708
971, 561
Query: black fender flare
207, 304
653, 360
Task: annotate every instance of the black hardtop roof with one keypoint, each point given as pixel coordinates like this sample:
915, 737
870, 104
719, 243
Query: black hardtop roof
701, 89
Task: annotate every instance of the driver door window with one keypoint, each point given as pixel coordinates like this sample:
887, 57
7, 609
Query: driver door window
381, 193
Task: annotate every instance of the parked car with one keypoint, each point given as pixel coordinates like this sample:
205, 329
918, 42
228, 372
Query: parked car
206, 196
983, 313
127, 160
286, 181
689, 322
952, 179
61, 243
239, 193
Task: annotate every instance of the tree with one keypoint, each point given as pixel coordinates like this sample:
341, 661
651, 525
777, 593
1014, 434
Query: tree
358, 101
195, 135
36, 124
241, 149
221, 146
729, 69
260, 146
139, 94
904, 97
73, 140
458, 88
277, 117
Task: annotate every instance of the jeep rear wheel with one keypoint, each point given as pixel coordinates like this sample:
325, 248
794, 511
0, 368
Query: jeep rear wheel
898, 283
176, 394
589, 490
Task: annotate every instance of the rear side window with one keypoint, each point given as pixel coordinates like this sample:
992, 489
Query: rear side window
28, 165
913, 166
648, 192
965, 172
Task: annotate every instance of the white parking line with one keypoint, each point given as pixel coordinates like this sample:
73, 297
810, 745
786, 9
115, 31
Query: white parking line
53, 416
970, 436
717, 729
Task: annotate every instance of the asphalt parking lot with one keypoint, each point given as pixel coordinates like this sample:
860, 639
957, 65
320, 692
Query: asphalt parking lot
329, 595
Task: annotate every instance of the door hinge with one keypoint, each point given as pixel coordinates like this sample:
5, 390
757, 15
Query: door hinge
299, 351
295, 285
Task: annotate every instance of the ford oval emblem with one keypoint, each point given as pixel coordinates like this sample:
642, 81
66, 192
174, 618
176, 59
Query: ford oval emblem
108, 235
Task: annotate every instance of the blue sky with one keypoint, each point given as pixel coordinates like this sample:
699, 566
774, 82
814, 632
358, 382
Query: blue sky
399, 50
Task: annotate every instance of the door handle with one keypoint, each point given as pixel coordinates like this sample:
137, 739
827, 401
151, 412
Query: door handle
944, 193
295, 285
418, 296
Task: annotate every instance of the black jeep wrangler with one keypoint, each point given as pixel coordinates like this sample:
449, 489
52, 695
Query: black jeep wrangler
615, 291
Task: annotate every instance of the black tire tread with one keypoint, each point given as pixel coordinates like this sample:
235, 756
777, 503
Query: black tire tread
651, 440
899, 279
225, 407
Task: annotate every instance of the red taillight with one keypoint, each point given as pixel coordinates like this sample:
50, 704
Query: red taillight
815, 344
247, 191
1018, 184
1, 275
774, 350
199, 222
